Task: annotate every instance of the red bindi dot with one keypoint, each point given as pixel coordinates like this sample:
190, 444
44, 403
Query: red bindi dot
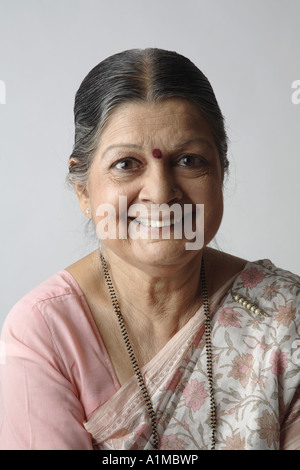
157, 153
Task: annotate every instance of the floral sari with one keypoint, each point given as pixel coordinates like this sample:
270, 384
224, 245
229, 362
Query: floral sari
255, 371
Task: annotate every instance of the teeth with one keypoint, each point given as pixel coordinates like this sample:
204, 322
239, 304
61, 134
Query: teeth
157, 223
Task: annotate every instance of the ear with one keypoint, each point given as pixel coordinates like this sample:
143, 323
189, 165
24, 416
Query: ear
83, 197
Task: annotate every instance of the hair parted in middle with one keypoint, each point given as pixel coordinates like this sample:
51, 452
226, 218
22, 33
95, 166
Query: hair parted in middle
138, 75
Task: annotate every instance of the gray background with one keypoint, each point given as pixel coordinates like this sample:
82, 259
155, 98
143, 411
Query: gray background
248, 49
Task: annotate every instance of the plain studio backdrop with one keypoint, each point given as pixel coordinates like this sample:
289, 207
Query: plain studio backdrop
250, 51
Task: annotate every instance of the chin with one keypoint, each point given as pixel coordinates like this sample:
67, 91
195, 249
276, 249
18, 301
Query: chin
161, 253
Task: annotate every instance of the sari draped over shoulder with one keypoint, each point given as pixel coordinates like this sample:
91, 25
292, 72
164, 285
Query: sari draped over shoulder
255, 371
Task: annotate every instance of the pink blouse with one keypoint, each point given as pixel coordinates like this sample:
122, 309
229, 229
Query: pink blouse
55, 370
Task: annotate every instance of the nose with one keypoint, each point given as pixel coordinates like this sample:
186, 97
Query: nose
159, 185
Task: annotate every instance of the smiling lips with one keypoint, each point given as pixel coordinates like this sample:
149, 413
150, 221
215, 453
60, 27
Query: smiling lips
160, 220
158, 223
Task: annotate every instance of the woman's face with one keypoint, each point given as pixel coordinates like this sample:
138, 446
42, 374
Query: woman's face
152, 154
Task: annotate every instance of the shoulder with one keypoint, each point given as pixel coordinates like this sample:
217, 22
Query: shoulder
274, 290
266, 279
269, 270
47, 299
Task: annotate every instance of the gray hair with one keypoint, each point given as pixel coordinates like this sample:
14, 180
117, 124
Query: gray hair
149, 75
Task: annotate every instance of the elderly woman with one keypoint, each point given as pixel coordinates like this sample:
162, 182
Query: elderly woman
154, 340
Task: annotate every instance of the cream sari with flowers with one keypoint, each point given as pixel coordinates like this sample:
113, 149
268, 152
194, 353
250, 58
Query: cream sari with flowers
255, 369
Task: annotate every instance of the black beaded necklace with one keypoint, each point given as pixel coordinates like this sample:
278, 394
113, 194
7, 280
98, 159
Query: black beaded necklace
141, 382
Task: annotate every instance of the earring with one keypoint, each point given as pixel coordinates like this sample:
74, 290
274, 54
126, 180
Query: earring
87, 211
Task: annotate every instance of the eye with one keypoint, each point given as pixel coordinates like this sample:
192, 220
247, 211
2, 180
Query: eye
191, 161
127, 164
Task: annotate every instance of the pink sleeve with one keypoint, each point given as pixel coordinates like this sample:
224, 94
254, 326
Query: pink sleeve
39, 406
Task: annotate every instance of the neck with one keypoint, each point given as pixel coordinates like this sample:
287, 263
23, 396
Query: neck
170, 295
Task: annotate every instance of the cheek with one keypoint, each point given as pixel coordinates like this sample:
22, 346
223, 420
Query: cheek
114, 197
213, 213
211, 196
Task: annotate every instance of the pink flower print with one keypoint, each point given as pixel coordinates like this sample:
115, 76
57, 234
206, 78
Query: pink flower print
286, 314
194, 394
270, 291
229, 317
171, 442
258, 381
242, 368
252, 277
235, 443
268, 428
279, 361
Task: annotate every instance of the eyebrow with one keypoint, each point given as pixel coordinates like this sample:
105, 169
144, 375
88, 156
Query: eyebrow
201, 140
114, 146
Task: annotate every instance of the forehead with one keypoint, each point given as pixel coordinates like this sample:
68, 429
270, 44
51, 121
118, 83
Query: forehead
155, 123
